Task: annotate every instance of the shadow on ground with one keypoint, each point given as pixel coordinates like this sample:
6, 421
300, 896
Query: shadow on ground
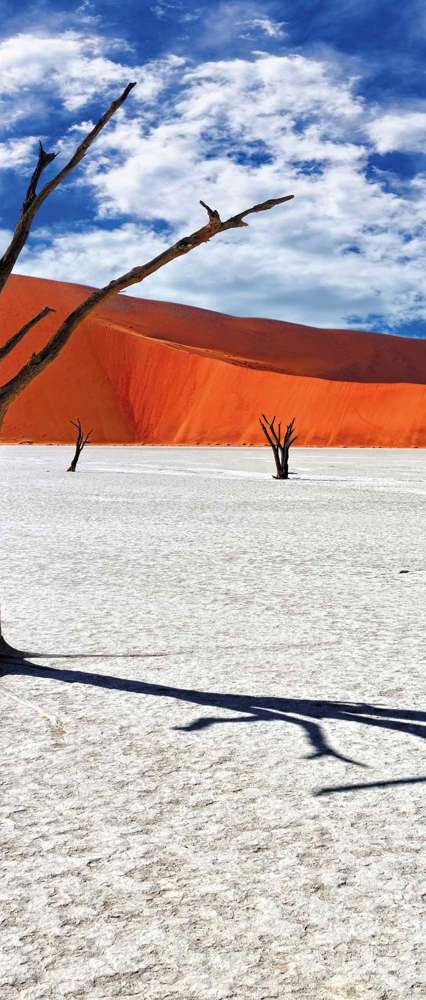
307, 714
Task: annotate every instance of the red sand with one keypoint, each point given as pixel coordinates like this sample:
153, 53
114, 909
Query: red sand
121, 376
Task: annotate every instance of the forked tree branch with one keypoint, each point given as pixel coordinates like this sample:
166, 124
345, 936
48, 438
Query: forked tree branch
43, 161
265, 427
42, 358
82, 438
33, 201
17, 337
280, 444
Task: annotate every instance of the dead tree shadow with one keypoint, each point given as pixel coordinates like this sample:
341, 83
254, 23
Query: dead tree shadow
307, 714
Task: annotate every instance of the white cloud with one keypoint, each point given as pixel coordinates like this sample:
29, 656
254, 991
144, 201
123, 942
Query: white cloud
399, 130
73, 68
273, 29
225, 112
15, 153
235, 132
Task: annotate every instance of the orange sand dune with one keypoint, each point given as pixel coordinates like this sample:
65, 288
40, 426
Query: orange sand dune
154, 372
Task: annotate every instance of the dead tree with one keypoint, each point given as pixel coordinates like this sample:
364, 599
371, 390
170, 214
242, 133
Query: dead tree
33, 201
279, 443
81, 441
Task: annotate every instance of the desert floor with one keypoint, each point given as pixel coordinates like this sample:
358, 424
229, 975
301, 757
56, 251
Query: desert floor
213, 770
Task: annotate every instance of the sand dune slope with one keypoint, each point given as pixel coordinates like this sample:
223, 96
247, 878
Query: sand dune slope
154, 372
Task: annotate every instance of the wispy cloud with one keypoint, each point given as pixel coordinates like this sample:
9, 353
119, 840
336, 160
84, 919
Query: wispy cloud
273, 29
163, 9
178, 10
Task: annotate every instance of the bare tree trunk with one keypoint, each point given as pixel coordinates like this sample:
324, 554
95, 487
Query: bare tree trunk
81, 441
279, 443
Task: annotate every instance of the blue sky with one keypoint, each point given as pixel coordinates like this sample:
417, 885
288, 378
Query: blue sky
236, 102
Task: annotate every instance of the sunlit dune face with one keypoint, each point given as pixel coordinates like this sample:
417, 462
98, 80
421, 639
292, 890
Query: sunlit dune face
158, 373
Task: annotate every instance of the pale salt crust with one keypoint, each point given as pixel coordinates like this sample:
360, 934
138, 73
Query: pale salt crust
163, 844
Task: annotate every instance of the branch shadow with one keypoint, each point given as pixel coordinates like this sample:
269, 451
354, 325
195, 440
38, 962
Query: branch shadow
307, 714
332, 789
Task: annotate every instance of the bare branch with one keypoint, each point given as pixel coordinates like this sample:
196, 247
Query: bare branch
213, 215
43, 161
270, 424
264, 206
17, 337
136, 275
266, 433
33, 201
85, 145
